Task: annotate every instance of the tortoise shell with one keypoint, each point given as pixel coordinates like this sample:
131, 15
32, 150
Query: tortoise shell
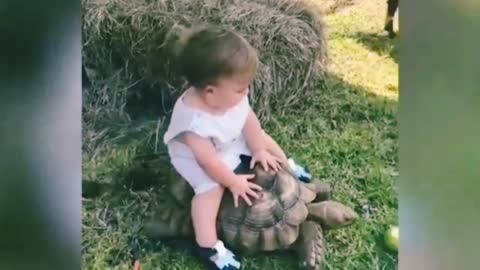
273, 220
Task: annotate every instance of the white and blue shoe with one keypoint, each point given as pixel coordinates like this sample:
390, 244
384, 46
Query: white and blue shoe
302, 173
219, 257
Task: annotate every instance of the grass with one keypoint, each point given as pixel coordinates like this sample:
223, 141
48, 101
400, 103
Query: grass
348, 136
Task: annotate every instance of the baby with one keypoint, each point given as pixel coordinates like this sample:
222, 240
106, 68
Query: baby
213, 124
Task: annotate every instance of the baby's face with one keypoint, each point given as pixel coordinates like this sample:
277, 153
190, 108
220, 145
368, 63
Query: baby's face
229, 92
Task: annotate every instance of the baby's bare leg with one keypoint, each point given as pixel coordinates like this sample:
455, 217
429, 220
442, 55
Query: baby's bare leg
204, 215
274, 148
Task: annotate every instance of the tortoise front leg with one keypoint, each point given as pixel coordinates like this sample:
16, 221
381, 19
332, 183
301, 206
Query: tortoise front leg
310, 246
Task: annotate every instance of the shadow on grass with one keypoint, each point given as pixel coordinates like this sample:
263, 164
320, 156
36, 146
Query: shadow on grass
343, 103
379, 43
340, 102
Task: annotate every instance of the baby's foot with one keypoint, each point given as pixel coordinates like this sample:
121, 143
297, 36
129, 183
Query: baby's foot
302, 173
219, 257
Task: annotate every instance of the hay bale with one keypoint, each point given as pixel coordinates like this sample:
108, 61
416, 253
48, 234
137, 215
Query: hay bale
130, 35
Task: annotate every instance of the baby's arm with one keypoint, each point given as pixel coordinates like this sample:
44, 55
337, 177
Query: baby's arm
254, 134
257, 143
207, 158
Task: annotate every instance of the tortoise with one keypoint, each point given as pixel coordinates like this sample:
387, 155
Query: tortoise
288, 215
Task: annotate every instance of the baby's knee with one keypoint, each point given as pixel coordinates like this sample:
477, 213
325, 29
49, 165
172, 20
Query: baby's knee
210, 196
218, 190
214, 190
208, 187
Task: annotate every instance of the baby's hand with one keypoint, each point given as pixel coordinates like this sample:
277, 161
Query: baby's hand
241, 187
266, 159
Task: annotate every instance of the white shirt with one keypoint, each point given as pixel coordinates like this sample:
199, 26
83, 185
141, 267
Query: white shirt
225, 131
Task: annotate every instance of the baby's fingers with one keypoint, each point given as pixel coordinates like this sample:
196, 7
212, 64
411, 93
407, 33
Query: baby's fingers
279, 164
252, 162
235, 200
279, 160
273, 163
254, 186
247, 200
252, 193
265, 165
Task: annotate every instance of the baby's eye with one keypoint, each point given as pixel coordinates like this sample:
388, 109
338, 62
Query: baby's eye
242, 91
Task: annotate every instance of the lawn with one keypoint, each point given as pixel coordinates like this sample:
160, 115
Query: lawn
348, 135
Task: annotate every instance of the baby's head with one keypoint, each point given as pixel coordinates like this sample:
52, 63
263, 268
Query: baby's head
218, 63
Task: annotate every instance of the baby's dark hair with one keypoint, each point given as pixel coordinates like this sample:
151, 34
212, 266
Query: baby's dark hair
208, 54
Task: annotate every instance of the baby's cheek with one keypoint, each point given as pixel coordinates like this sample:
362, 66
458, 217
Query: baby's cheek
239, 99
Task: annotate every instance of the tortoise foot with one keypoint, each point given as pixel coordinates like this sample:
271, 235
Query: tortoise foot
310, 246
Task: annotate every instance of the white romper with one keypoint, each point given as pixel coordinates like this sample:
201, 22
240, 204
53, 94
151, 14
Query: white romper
225, 131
